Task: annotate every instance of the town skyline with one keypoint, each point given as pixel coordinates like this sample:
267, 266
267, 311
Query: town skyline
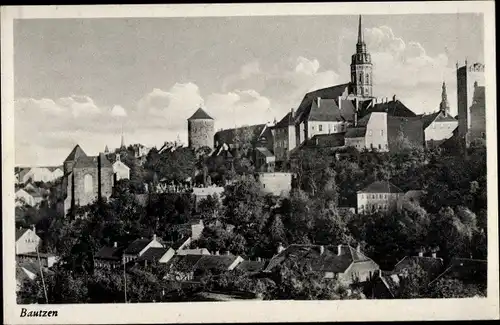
135, 83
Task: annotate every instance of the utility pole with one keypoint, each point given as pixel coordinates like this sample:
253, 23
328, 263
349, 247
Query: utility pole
41, 275
125, 279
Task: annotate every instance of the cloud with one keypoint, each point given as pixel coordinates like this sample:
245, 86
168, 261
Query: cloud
118, 111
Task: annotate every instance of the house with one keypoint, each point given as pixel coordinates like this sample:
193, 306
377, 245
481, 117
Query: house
46, 259
109, 257
392, 107
194, 251
27, 241
120, 170
279, 184
259, 135
139, 247
432, 266
38, 194
22, 197
264, 159
342, 261
20, 172
379, 196
155, 255
28, 271
369, 133
284, 136
468, 271
251, 267
192, 267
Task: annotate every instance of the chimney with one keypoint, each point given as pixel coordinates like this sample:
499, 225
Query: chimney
228, 253
217, 253
319, 101
394, 98
420, 254
434, 255
117, 157
358, 248
292, 112
115, 244
340, 102
258, 259
339, 250
33, 227
321, 250
154, 236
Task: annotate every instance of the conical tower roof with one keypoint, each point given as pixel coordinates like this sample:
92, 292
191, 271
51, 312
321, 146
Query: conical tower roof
200, 114
76, 153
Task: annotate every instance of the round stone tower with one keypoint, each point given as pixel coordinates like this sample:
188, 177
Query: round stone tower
200, 130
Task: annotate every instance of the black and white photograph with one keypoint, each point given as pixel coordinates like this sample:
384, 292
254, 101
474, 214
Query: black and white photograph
323, 155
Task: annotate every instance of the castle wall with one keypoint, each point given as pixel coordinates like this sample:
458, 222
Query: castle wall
201, 133
276, 183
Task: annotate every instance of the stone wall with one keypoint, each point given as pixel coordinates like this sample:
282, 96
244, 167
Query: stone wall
81, 196
201, 133
276, 183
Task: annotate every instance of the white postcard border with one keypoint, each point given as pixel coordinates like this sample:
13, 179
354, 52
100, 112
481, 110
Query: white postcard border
262, 311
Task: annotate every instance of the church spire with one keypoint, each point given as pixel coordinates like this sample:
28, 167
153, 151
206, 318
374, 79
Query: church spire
361, 39
444, 107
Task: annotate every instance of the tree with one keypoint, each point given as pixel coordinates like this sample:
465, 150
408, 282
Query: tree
454, 288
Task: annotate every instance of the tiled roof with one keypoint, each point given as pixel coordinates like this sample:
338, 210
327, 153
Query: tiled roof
153, 254
328, 140
333, 92
194, 251
200, 114
323, 110
381, 187
393, 108
188, 263
432, 266
110, 253
264, 151
467, 270
287, 120
251, 266
20, 232
228, 135
427, 119
137, 246
357, 132
391, 281
76, 153
329, 261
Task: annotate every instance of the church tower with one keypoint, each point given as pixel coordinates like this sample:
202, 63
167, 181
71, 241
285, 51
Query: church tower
361, 68
444, 106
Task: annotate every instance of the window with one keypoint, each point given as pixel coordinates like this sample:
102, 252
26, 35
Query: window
382, 132
386, 145
380, 146
370, 133
88, 183
321, 127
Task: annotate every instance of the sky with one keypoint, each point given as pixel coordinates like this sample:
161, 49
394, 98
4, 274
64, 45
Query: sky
87, 81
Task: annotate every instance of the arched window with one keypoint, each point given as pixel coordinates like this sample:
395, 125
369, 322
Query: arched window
367, 78
88, 183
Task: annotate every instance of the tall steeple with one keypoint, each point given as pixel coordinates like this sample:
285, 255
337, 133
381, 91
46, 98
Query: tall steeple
444, 107
361, 67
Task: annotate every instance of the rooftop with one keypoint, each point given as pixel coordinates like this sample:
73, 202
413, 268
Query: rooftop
200, 114
153, 254
110, 253
137, 246
75, 154
381, 187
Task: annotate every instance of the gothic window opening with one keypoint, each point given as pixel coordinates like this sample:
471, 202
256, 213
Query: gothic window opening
88, 183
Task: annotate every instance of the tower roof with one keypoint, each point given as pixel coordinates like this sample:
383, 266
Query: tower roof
360, 32
76, 153
200, 114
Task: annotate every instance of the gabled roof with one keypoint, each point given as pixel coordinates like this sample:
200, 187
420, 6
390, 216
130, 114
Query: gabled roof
200, 114
467, 270
287, 120
323, 110
191, 263
21, 232
76, 153
109, 253
381, 187
357, 132
427, 119
333, 92
328, 261
393, 108
228, 135
153, 254
430, 265
137, 246
251, 266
